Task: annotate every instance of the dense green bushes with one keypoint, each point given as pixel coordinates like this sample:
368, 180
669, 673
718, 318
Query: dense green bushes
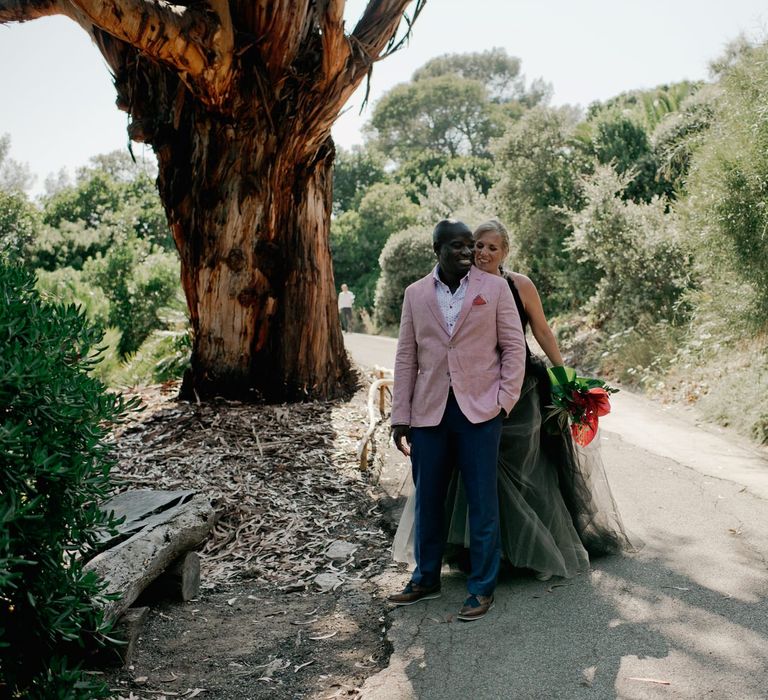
139, 280
642, 270
54, 421
18, 223
728, 182
103, 244
406, 257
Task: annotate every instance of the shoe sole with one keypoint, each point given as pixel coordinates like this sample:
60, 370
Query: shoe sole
471, 618
430, 596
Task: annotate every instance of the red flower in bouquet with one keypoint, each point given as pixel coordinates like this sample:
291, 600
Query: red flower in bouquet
579, 401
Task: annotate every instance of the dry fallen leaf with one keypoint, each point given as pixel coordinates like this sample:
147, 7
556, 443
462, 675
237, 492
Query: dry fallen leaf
324, 636
284, 480
650, 680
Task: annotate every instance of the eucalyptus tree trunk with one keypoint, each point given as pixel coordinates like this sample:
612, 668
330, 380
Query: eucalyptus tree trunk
237, 98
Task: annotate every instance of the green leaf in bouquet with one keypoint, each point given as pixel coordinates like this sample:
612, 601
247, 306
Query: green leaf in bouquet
561, 375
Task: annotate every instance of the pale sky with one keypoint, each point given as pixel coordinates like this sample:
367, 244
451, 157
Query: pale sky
57, 99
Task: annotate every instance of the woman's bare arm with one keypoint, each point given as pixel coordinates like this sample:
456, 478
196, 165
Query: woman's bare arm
539, 326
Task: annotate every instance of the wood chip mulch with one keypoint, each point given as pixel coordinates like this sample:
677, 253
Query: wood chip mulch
283, 479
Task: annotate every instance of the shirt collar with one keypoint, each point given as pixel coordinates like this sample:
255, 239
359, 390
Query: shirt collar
436, 276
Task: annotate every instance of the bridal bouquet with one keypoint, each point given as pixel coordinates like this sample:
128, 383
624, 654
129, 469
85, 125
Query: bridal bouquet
580, 401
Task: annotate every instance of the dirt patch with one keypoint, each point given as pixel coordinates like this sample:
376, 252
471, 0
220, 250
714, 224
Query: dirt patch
288, 607
253, 642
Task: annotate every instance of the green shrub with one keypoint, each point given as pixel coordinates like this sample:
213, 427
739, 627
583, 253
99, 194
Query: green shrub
406, 257
69, 244
19, 222
728, 181
139, 280
66, 285
54, 421
643, 268
163, 356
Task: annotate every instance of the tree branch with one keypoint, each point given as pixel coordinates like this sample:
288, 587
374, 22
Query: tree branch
335, 44
377, 27
197, 43
25, 10
280, 27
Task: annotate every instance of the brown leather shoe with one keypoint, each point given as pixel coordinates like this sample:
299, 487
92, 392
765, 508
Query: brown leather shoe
475, 607
413, 593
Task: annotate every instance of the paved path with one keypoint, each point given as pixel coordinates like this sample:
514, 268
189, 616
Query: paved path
685, 617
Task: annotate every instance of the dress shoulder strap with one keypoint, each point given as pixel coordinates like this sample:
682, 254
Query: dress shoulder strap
518, 300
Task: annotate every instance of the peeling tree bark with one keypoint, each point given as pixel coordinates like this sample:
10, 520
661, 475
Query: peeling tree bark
237, 99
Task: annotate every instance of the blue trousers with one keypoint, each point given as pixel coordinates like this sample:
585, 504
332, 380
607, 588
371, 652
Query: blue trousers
474, 449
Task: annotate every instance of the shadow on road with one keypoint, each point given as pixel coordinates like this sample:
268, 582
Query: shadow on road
631, 628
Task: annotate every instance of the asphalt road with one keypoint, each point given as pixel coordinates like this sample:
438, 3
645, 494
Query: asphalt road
684, 617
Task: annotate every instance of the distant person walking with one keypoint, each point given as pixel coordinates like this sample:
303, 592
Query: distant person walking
346, 301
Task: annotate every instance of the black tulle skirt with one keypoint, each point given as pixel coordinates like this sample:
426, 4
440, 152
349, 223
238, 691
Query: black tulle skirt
556, 509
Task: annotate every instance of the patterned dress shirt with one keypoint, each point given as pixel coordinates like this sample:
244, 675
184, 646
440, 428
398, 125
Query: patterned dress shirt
450, 303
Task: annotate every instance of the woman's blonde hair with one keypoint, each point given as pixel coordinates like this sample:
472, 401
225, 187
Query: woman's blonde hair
495, 226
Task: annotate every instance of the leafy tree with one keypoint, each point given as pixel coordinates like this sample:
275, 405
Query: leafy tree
646, 107
446, 114
622, 142
430, 168
679, 135
120, 166
68, 245
111, 197
14, 176
453, 199
89, 201
357, 237
618, 132
354, 171
495, 69
237, 99
441, 123
19, 222
540, 162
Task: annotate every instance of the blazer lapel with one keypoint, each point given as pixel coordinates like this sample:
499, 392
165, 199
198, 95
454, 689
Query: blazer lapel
431, 298
474, 286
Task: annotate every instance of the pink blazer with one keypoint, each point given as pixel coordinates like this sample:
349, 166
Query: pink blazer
484, 359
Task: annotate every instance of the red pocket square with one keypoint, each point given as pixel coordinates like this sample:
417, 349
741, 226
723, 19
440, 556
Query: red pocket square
479, 300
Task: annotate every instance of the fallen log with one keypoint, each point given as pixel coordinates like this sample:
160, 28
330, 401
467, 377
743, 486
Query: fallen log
179, 582
130, 566
127, 631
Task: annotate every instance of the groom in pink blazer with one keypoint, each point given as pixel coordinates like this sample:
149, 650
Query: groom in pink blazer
458, 370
